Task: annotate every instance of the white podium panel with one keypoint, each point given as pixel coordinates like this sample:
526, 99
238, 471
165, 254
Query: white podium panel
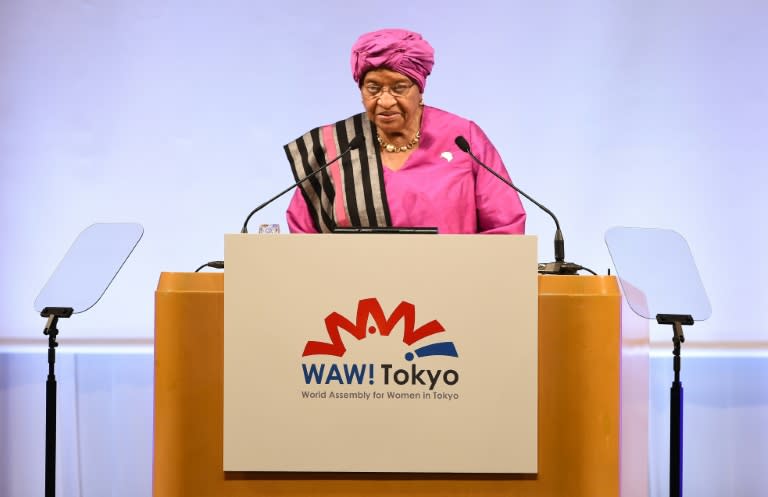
380, 353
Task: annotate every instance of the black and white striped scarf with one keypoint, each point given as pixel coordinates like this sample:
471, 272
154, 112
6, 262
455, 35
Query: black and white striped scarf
359, 175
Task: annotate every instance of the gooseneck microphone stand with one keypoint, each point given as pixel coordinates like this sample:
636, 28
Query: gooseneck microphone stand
53, 314
353, 144
559, 266
676, 403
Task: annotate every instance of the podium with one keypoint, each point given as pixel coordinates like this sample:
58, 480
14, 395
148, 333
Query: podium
592, 403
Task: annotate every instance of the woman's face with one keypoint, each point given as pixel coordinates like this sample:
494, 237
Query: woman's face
392, 101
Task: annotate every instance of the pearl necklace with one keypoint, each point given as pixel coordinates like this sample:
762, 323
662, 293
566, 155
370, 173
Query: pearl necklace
394, 148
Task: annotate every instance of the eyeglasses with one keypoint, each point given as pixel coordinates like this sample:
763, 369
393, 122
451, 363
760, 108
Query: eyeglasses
372, 90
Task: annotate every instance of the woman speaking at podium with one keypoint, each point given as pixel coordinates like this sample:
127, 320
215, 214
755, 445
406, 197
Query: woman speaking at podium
404, 168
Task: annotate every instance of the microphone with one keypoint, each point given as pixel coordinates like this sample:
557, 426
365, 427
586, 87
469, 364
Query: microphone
557, 267
353, 145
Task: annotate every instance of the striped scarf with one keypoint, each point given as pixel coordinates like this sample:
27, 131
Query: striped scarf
358, 175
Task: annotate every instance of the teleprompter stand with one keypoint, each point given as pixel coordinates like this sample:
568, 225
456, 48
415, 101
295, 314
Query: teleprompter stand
660, 280
676, 402
53, 314
77, 283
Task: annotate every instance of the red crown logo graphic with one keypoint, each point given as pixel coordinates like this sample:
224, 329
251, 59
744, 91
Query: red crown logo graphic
371, 309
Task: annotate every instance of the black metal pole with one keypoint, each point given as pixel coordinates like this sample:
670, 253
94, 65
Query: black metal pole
676, 403
50, 410
53, 314
676, 426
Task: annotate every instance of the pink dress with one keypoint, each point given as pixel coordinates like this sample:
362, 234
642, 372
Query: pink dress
441, 186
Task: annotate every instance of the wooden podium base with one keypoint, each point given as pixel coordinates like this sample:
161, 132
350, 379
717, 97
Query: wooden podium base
593, 403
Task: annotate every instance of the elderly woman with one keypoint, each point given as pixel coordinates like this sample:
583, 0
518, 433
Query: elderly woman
408, 172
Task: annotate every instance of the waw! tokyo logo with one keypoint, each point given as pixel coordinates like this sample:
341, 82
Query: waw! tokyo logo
419, 341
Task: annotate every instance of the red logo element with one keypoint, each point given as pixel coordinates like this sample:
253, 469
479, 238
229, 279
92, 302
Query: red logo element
370, 308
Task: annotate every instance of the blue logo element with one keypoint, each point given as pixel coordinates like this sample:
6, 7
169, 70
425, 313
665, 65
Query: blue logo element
441, 348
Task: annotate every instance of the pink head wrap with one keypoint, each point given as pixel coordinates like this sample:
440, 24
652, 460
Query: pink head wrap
402, 51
